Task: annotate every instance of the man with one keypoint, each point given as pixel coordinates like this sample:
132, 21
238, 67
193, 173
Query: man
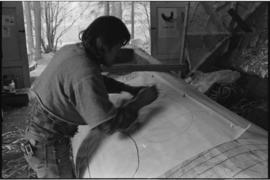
71, 91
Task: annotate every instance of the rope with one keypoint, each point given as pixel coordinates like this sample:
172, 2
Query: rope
137, 150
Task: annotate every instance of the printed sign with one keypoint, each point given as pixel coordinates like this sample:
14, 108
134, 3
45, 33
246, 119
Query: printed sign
167, 23
5, 31
8, 20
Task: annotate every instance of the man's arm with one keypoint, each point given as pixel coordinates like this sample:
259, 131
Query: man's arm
128, 112
125, 116
114, 86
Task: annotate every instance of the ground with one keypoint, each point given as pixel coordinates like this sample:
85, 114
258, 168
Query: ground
13, 162
13, 125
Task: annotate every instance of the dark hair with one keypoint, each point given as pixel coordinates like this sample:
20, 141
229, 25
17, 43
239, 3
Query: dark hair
110, 29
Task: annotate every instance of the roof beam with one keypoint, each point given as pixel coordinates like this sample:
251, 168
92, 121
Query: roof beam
148, 67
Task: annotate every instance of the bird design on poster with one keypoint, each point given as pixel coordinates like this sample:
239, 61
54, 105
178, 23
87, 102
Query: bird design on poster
167, 22
168, 18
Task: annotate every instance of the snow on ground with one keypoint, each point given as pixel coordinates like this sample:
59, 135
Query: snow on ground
41, 65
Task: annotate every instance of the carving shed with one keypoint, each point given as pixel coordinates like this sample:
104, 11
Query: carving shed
181, 92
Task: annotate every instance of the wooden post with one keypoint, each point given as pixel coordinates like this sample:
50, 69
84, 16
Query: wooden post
107, 8
37, 9
29, 28
184, 37
132, 20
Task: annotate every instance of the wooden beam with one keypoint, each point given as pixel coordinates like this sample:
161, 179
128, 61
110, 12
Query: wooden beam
148, 67
183, 41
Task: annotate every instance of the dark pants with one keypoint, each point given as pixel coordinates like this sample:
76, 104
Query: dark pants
49, 139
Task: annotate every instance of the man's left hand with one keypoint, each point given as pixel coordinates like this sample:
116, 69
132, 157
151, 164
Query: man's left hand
133, 90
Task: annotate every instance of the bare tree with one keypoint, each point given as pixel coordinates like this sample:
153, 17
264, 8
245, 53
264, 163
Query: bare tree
37, 12
146, 8
58, 19
144, 20
94, 8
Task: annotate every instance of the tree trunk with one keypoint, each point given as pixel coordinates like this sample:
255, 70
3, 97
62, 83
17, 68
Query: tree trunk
117, 9
48, 20
29, 32
147, 13
106, 8
132, 20
37, 9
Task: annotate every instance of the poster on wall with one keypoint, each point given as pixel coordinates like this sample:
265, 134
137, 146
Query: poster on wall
5, 31
8, 20
167, 23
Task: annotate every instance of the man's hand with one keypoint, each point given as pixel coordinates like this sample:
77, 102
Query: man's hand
144, 97
133, 90
128, 112
126, 117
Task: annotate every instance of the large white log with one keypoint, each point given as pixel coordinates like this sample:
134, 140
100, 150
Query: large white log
179, 125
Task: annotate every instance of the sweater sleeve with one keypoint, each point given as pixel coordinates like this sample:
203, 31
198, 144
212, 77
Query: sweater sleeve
112, 85
92, 101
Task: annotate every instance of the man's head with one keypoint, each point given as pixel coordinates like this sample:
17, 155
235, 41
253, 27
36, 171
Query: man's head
103, 38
